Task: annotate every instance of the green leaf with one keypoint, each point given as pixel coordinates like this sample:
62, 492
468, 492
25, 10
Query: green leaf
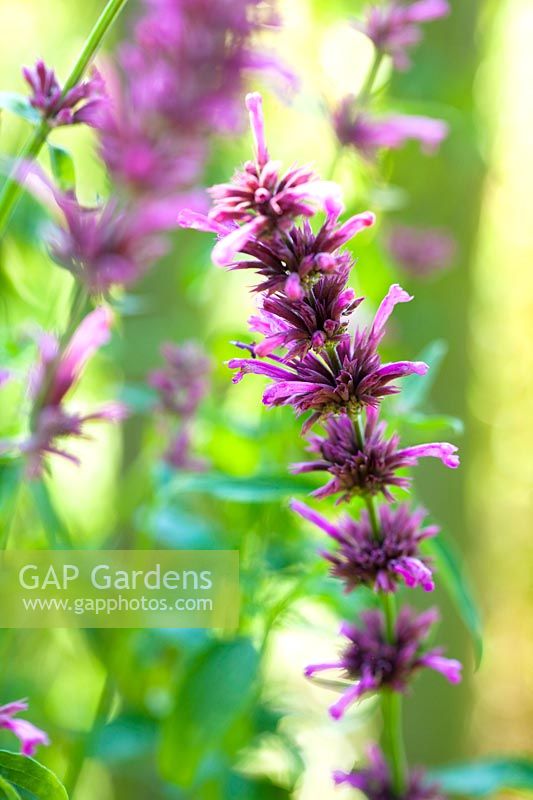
416, 388
20, 105
256, 489
482, 778
239, 787
215, 692
7, 791
434, 424
448, 562
32, 777
56, 531
63, 168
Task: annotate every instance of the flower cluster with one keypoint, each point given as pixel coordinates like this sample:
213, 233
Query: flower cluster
376, 783
52, 378
29, 736
367, 465
394, 28
319, 364
83, 103
373, 659
182, 384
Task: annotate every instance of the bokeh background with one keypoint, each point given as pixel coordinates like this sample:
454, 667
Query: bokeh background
475, 70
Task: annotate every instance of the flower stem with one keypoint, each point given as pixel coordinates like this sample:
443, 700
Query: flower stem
12, 187
391, 702
368, 85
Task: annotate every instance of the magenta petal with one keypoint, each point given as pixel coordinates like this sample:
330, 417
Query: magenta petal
254, 104
317, 519
225, 249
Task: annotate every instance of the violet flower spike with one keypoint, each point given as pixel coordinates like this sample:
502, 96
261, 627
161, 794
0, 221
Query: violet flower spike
83, 103
373, 469
348, 379
29, 735
372, 662
361, 559
375, 780
394, 28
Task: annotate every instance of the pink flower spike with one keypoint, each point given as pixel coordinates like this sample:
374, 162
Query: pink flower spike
30, 737
394, 296
338, 709
201, 222
317, 519
254, 104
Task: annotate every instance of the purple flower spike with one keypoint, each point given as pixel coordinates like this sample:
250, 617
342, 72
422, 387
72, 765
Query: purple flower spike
29, 736
373, 662
84, 103
261, 200
378, 562
369, 470
376, 783
5, 376
344, 379
369, 135
394, 28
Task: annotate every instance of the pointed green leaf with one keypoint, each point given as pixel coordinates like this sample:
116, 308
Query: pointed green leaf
486, 777
63, 168
256, 489
20, 105
7, 791
25, 773
214, 694
448, 563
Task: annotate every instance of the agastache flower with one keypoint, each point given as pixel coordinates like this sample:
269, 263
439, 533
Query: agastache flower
29, 736
83, 103
54, 376
344, 378
375, 781
421, 251
395, 28
369, 134
377, 561
295, 261
107, 246
260, 200
372, 468
318, 320
372, 662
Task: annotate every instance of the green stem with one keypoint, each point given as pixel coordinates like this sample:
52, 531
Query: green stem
391, 702
368, 85
100, 718
12, 188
